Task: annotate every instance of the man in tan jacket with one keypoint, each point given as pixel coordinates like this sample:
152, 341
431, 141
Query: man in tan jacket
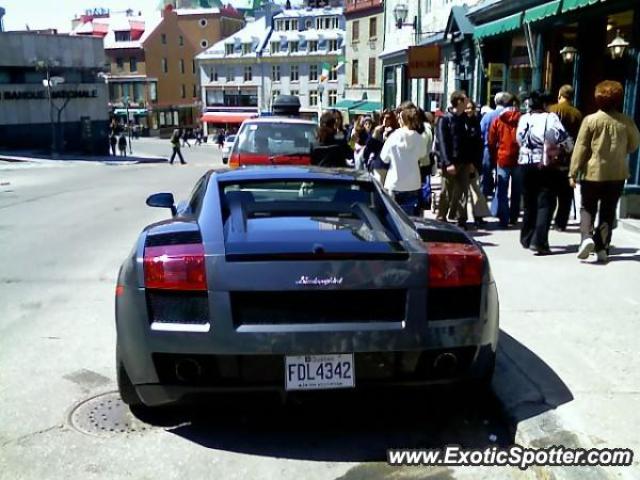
599, 161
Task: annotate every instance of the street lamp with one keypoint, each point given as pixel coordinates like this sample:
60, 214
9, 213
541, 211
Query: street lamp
568, 54
400, 12
48, 83
617, 46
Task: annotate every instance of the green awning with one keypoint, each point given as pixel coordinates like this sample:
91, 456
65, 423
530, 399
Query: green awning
497, 27
366, 107
347, 104
569, 5
541, 12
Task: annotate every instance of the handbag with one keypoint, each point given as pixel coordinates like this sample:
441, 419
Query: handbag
550, 151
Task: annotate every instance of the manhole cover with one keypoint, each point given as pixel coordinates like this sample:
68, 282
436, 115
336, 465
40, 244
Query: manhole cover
105, 415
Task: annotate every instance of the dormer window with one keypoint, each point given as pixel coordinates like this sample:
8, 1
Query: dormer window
294, 47
123, 36
275, 47
327, 23
246, 48
332, 45
313, 45
228, 48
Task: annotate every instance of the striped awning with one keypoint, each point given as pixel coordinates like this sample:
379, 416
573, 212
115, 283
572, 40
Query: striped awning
541, 12
497, 27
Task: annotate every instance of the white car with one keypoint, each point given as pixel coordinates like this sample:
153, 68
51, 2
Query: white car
226, 148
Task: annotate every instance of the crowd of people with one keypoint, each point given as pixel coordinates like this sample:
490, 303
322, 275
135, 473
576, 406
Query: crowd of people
522, 158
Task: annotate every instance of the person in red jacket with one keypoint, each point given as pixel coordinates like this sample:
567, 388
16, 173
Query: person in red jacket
504, 151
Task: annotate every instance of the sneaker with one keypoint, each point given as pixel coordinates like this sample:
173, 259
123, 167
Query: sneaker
586, 249
602, 256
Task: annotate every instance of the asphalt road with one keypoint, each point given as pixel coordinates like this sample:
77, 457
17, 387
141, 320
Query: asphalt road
568, 366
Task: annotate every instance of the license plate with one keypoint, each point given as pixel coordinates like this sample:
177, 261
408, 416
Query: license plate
316, 372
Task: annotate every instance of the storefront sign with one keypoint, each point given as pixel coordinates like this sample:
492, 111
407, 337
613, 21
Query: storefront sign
424, 62
42, 94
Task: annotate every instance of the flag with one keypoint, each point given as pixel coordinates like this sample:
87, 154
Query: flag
341, 62
326, 68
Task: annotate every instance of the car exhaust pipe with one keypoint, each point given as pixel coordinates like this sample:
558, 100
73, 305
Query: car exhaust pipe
445, 363
188, 370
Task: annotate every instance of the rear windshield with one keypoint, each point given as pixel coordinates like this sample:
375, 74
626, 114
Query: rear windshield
276, 138
306, 205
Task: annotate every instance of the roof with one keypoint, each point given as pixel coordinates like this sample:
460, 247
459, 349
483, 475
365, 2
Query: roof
256, 30
287, 172
197, 11
309, 12
459, 14
120, 23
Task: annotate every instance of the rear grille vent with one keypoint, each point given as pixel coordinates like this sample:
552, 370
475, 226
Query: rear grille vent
328, 306
453, 303
173, 238
178, 307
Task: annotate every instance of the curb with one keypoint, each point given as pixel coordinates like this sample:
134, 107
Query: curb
123, 160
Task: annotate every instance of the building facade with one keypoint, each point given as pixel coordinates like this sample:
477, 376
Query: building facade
152, 76
283, 52
409, 24
532, 44
364, 43
69, 112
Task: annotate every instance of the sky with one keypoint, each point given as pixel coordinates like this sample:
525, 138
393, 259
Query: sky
40, 14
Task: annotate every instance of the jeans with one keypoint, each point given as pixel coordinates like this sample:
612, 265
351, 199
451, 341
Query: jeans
487, 180
565, 198
508, 211
607, 194
539, 192
408, 201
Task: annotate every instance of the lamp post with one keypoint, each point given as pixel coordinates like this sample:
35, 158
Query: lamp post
126, 106
48, 82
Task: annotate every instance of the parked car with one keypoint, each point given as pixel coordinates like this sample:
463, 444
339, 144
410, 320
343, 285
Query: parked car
299, 278
226, 148
273, 141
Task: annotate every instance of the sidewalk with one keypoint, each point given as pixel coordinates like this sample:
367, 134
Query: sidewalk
38, 156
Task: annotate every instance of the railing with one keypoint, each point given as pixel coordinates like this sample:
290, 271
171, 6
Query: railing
358, 5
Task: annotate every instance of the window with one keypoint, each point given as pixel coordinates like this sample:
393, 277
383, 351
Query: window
230, 74
119, 63
275, 47
313, 98
313, 73
203, 22
308, 24
181, 65
354, 72
335, 23
274, 94
228, 48
163, 38
213, 75
193, 67
195, 91
181, 41
373, 28
153, 91
313, 45
295, 73
333, 97
333, 73
133, 64
275, 73
295, 93
428, 6
246, 48
248, 76
355, 31
204, 43
183, 91
333, 45
372, 70
123, 36
165, 66
294, 47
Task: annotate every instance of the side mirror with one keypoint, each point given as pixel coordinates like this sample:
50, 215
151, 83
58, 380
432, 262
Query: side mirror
163, 200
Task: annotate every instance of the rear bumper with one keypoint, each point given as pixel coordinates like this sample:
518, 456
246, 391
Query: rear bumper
373, 372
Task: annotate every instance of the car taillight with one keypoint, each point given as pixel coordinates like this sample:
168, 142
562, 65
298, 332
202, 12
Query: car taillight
175, 267
234, 160
455, 265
